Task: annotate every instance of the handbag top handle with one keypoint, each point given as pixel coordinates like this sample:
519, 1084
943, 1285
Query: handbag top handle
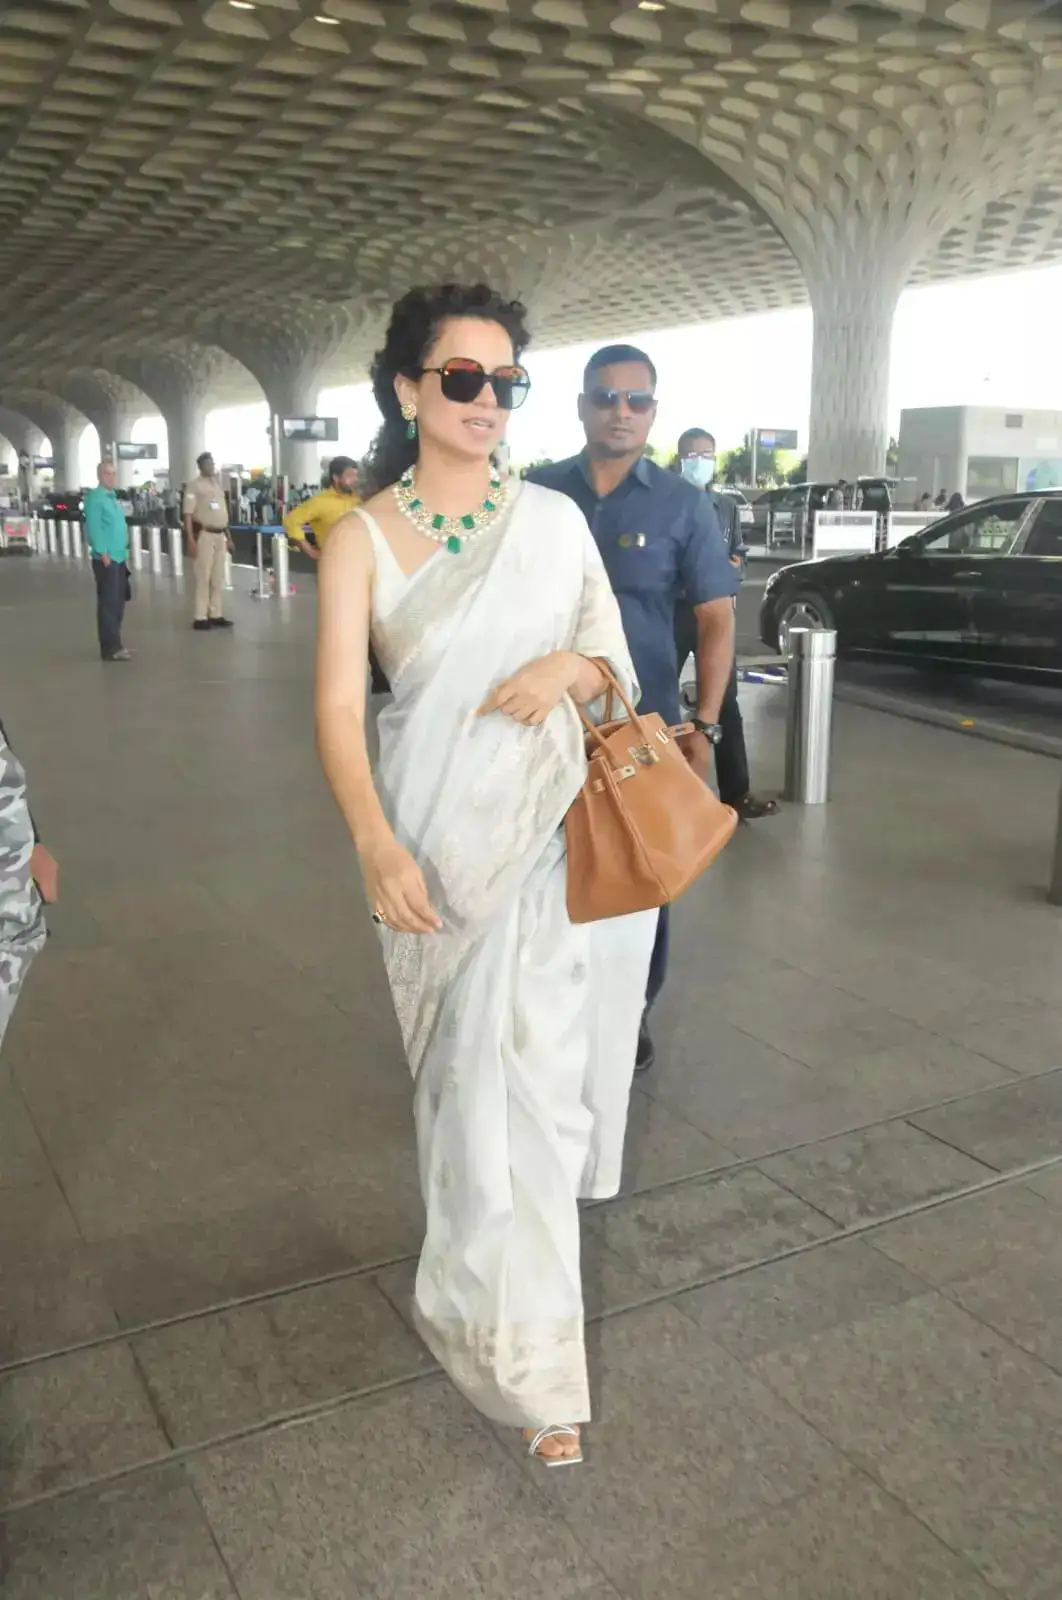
614, 688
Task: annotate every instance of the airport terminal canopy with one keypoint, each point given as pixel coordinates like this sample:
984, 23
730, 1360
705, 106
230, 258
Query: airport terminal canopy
198, 196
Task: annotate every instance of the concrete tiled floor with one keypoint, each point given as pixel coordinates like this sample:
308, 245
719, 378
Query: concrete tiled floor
826, 1351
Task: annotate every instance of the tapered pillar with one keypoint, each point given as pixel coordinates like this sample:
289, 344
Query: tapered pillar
854, 312
291, 358
28, 441
64, 427
181, 383
112, 405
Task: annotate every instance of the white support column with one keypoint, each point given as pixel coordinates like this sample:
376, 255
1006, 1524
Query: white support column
62, 424
28, 440
854, 312
65, 444
180, 384
112, 405
290, 359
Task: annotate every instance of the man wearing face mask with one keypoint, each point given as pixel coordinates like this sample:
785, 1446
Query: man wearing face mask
659, 540
696, 462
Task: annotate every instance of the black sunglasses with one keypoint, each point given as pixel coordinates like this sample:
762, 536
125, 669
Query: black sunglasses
463, 381
639, 400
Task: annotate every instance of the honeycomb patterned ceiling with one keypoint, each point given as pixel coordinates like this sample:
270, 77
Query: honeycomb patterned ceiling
266, 177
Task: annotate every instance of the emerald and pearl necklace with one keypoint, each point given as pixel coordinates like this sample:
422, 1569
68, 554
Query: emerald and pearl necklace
450, 531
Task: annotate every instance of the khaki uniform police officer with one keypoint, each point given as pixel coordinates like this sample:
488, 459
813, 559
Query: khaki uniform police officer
206, 523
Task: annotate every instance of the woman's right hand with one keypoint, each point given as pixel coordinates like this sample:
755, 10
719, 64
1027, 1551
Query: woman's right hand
396, 889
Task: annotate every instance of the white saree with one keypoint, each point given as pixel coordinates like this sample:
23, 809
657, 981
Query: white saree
520, 1027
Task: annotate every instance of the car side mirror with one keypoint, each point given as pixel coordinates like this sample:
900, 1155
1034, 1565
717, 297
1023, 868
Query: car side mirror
911, 546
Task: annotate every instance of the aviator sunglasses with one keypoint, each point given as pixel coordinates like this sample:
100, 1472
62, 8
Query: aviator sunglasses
639, 400
462, 381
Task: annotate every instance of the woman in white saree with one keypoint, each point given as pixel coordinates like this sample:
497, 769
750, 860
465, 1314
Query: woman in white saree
489, 609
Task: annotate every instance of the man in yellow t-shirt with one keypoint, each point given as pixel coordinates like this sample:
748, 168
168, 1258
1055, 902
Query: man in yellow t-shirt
321, 512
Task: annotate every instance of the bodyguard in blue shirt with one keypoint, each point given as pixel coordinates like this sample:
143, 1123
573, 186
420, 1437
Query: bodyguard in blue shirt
660, 539
107, 536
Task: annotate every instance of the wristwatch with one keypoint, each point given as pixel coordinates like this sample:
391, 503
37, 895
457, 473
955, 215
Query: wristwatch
713, 731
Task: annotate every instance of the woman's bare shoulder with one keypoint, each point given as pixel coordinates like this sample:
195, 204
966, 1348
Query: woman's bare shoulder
349, 543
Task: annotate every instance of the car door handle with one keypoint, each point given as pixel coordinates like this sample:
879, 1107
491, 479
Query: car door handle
973, 572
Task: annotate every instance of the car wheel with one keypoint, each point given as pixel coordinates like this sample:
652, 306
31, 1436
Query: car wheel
803, 610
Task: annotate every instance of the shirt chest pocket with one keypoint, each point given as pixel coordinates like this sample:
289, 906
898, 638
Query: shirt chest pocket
640, 563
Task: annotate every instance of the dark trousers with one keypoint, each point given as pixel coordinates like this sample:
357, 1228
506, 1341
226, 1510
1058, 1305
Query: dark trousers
658, 960
731, 757
111, 584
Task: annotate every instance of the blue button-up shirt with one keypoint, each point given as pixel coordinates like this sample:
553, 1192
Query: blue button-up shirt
660, 541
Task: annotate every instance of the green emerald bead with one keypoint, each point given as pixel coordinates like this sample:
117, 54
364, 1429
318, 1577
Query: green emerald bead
453, 544
468, 522
415, 505
488, 505
438, 523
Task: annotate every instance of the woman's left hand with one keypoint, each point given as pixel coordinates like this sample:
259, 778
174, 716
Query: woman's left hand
532, 693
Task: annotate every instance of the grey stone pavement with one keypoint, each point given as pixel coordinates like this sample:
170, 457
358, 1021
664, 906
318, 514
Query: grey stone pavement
826, 1313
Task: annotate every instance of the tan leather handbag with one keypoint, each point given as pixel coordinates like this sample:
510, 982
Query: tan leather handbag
643, 826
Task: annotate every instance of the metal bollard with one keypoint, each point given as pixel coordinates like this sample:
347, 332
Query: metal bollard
155, 547
64, 539
50, 535
136, 548
281, 566
76, 542
262, 591
1054, 888
177, 552
809, 716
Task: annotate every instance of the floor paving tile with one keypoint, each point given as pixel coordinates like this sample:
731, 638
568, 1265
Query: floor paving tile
405, 1495
955, 1421
971, 1236
73, 1419
1020, 1123
872, 1173
22, 1156
190, 1266
1024, 1035
233, 1369
848, 1542
686, 1443
747, 1095
144, 1538
51, 1301
678, 1235
785, 1302
662, 1146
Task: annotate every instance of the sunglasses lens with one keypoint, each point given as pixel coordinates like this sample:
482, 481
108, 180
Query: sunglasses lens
461, 381
511, 387
638, 400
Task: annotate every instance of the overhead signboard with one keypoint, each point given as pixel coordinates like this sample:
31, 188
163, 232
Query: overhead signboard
43, 463
777, 438
125, 450
310, 430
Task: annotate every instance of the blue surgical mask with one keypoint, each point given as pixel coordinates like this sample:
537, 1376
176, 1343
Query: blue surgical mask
699, 470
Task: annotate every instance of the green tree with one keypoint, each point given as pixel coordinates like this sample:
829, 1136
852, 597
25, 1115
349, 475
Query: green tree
799, 473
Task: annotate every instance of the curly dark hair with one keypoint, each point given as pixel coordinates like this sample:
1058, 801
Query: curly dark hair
414, 327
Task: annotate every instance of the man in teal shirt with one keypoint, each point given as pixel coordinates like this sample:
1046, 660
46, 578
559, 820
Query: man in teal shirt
107, 536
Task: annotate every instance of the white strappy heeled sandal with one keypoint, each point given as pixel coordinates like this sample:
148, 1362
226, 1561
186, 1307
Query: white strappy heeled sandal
556, 1430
